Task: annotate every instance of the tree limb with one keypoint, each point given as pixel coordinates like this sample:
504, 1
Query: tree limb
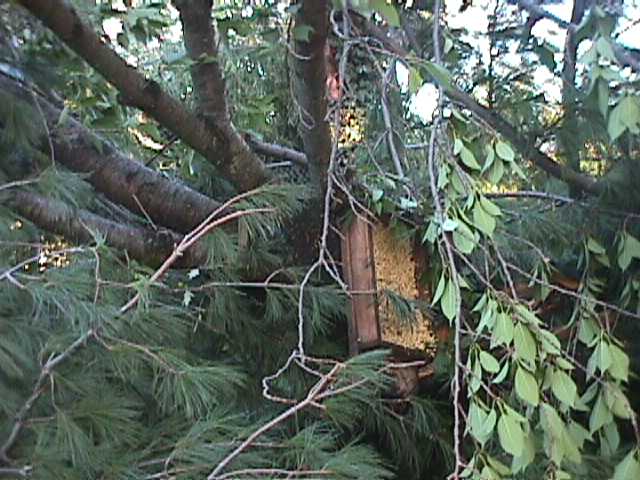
524, 146
568, 135
623, 56
201, 43
309, 85
245, 171
277, 151
147, 246
167, 202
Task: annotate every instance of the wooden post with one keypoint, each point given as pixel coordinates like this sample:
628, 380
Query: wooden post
359, 271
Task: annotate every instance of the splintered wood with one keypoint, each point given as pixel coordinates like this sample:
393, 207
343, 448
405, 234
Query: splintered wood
396, 270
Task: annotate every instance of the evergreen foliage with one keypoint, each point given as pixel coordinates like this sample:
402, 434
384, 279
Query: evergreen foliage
238, 367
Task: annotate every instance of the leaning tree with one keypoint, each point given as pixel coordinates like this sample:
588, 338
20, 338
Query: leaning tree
174, 181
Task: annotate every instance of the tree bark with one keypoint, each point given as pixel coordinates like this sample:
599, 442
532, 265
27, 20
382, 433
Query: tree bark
201, 43
147, 246
122, 180
245, 171
309, 84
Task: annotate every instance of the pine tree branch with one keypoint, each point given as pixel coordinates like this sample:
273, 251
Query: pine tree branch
210, 223
245, 171
167, 202
310, 31
316, 390
147, 246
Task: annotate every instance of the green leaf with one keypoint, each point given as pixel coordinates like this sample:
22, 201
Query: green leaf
524, 343
387, 11
600, 415
528, 455
628, 468
439, 289
510, 435
595, 247
495, 173
469, 159
503, 374
604, 49
503, 333
619, 368
450, 302
463, 239
617, 401
625, 115
488, 362
563, 387
482, 220
527, 387
489, 207
491, 156
628, 249
415, 80
440, 74
600, 358
498, 466
505, 152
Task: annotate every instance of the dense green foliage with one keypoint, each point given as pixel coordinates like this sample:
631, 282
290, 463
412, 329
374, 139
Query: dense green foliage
542, 382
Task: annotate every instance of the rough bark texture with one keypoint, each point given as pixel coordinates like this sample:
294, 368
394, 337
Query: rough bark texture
201, 43
309, 83
122, 180
147, 246
245, 170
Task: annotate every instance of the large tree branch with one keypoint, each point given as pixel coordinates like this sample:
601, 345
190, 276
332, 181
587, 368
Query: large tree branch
309, 84
201, 43
147, 246
167, 202
215, 144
